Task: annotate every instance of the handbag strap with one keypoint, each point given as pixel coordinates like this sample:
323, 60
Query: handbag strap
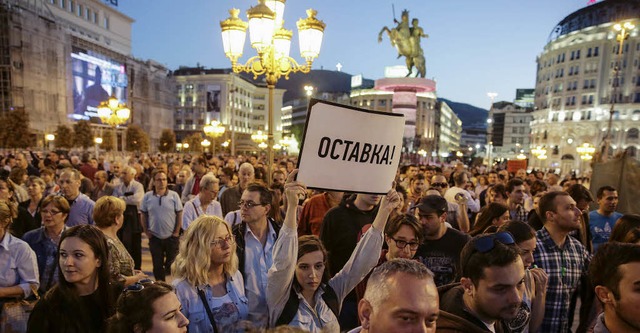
206, 307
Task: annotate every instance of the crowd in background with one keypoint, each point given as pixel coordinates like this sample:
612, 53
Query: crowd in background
244, 248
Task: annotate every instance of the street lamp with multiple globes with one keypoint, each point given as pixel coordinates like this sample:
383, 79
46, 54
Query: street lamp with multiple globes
272, 43
623, 30
113, 113
540, 153
586, 152
214, 131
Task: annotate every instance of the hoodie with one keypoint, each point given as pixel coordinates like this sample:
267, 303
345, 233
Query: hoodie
454, 316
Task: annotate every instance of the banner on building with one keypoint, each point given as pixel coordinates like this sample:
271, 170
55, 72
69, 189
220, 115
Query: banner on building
350, 149
213, 98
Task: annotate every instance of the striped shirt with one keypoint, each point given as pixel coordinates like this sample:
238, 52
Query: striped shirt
564, 266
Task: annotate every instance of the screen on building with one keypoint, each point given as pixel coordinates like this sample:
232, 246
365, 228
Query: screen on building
95, 79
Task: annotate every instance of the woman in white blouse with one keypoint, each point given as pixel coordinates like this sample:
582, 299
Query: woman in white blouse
299, 276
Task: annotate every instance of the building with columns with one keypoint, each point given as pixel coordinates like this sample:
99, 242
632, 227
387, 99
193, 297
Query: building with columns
577, 85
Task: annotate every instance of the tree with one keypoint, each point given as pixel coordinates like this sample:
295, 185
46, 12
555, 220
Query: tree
64, 137
82, 134
14, 129
108, 141
167, 141
137, 139
194, 142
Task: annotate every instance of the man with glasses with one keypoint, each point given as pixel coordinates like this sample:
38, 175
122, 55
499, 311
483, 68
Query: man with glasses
81, 205
255, 238
203, 203
563, 257
457, 214
161, 220
490, 289
440, 251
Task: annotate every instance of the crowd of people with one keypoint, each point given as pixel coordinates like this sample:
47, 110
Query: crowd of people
236, 247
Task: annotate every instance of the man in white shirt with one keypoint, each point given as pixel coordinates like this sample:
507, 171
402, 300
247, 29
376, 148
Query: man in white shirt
460, 179
204, 203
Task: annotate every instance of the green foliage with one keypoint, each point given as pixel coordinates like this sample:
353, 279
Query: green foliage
82, 134
167, 141
63, 137
137, 139
194, 142
108, 141
14, 129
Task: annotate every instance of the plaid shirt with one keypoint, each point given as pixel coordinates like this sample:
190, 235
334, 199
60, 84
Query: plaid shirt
519, 214
564, 266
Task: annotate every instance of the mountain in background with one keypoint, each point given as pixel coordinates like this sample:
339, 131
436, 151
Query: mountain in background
470, 115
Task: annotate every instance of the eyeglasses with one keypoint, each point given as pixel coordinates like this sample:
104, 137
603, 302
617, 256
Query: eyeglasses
229, 240
248, 204
439, 185
487, 243
50, 212
137, 286
402, 244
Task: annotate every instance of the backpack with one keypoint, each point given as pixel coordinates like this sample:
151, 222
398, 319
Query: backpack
291, 307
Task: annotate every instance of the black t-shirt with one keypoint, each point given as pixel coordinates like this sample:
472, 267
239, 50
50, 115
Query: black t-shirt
442, 256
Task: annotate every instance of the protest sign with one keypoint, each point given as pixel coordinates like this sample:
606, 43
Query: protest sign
350, 149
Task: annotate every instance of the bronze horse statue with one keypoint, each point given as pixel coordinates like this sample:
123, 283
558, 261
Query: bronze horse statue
406, 40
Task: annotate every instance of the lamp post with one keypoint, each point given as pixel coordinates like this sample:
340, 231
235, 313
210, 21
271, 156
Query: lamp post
623, 33
205, 144
272, 43
214, 131
540, 153
586, 152
113, 113
49, 138
492, 96
98, 142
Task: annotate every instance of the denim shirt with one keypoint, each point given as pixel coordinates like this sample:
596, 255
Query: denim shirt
47, 256
282, 273
194, 310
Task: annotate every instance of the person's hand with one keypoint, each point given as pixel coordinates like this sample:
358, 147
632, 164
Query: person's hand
148, 233
391, 200
541, 279
293, 188
461, 199
139, 275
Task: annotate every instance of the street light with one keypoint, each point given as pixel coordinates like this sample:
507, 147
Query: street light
623, 30
492, 96
49, 138
205, 144
178, 146
113, 113
272, 43
98, 141
214, 131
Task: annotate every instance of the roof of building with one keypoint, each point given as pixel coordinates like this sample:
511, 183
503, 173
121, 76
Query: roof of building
596, 14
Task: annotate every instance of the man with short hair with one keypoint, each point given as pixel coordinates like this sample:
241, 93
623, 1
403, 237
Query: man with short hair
161, 220
440, 251
192, 186
490, 290
114, 173
204, 203
21, 161
81, 211
230, 198
225, 175
278, 177
412, 171
515, 191
401, 297
615, 273
101, 187
132, 192
602, 220
457, 215
492, 179
417, 186
563, 257
255, 238
460, 180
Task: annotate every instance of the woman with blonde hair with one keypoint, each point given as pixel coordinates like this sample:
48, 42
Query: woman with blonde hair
208, 282
108, 214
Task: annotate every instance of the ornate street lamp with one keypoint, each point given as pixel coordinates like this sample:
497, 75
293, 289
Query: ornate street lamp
205, 144
272, 43
214, 131
623, 30
113, 113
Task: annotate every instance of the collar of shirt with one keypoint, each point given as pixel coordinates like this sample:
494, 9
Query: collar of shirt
5, 240
271, 233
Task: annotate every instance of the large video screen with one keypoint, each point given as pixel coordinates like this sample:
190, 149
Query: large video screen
95, 79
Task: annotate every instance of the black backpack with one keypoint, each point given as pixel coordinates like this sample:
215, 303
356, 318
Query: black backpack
291, 308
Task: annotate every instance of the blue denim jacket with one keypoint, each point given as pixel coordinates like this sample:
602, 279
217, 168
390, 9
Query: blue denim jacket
194, 310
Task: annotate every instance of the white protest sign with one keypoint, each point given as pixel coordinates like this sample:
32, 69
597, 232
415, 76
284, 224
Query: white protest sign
350, 149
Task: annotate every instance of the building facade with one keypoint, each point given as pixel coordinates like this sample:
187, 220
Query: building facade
236, 101
510, 130
60, 58
581, 77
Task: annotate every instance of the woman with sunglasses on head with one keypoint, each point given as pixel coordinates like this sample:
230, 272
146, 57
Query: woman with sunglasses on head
208, 282
148, 307
44, 241
83, 299
299, 291
531, 312
108, 214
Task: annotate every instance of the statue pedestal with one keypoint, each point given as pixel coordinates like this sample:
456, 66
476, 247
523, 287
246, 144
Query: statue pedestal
405, 100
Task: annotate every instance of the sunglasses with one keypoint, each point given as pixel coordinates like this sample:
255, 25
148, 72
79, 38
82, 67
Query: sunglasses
439, 185
136, 287
487, 243
248, 204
